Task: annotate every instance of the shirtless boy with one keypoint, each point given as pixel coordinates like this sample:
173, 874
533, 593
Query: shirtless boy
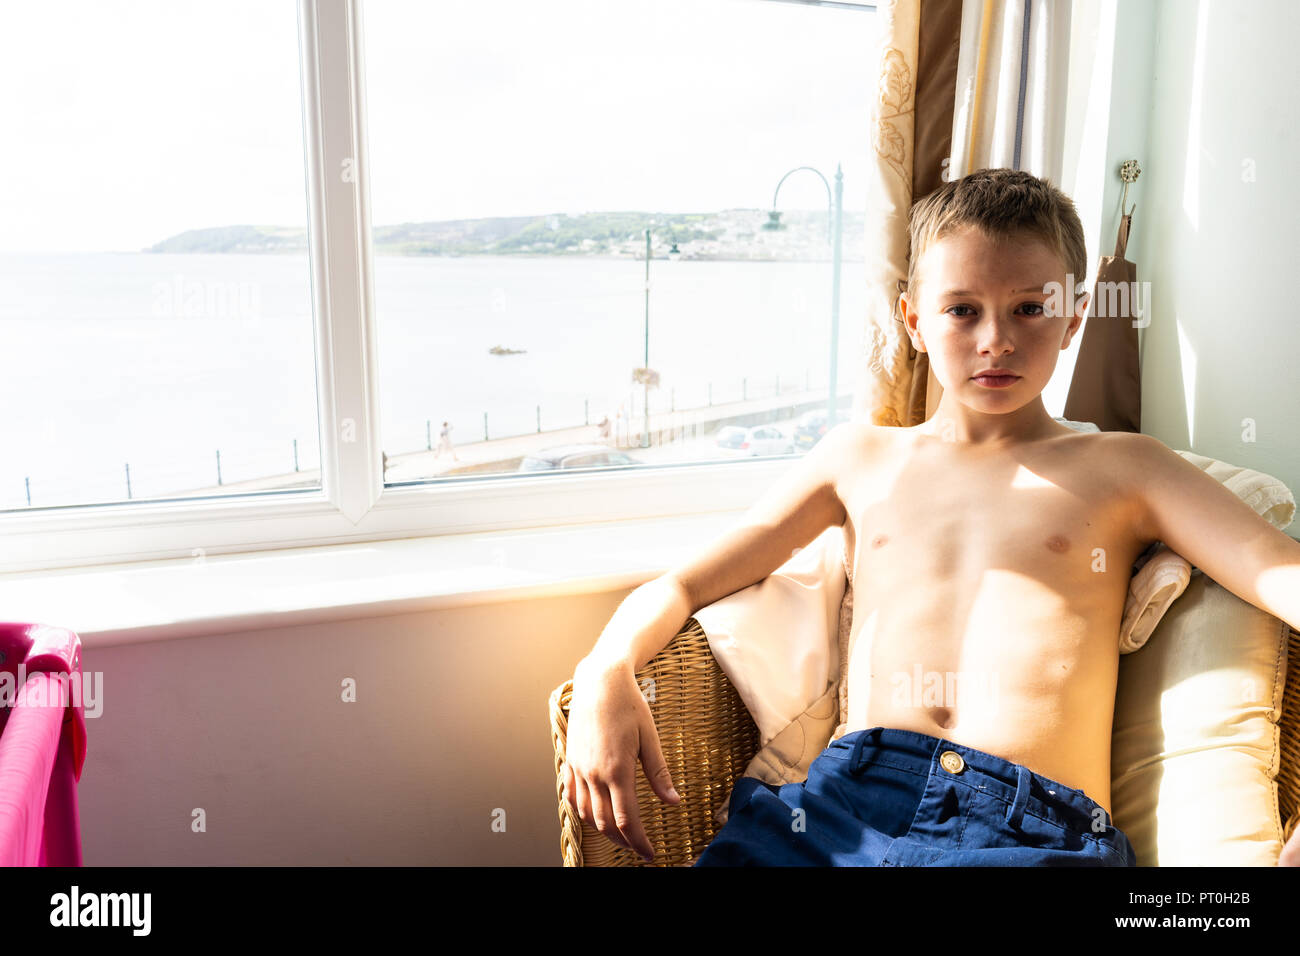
989, 540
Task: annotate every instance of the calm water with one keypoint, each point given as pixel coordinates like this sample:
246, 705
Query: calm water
161, 360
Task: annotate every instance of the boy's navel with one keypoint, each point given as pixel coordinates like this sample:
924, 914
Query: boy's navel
943, 717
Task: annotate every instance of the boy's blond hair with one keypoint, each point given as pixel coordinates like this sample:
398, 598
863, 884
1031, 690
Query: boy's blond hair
1003, 203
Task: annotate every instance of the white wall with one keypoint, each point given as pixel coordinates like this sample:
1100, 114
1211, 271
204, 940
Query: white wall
1196, 91
1212, 108
450, 723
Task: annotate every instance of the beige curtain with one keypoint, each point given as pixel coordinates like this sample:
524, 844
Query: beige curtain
961, 86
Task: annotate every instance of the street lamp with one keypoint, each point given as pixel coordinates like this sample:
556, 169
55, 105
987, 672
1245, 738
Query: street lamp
834, 234
646, 375
645, 432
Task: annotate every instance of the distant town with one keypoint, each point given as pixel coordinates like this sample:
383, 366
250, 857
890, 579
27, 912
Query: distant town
732, 234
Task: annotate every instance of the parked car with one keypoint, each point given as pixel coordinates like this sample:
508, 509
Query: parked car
811, 429
575, 456
736, 441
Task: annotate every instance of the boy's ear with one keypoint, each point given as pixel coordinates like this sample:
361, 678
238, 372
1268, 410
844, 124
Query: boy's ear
1081, 306
903, 315
905, 298
1080, 313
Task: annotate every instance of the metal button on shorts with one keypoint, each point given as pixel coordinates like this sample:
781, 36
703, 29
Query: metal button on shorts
951, 761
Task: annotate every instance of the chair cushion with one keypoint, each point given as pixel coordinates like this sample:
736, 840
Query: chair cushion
1195, 749
772, 639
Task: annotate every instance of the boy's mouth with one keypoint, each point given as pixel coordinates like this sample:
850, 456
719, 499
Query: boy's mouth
998, 379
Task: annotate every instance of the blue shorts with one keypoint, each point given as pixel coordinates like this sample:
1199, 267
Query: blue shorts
888, 797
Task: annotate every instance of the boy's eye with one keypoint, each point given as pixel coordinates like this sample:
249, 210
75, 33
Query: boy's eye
1027, 305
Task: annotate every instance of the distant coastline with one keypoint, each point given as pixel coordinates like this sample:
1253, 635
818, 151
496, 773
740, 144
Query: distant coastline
730, 235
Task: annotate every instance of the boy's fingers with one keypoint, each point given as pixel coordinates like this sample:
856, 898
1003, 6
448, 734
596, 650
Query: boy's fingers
656, 768
569, 795
627, 815
604, 812
583, 799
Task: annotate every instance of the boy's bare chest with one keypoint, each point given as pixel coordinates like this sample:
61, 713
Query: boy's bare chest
1052, 519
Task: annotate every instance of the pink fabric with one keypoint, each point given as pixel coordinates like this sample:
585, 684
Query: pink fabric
42, 747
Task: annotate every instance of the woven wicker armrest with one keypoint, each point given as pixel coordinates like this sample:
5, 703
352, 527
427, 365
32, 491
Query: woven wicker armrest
1288, 775
707, 736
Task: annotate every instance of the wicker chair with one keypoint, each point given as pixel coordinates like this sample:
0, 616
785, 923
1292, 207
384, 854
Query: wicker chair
708, 738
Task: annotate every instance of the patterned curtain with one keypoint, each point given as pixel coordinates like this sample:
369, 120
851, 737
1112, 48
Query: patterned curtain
960, 87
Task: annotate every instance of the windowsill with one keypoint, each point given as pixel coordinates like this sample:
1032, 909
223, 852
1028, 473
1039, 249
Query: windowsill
161, 600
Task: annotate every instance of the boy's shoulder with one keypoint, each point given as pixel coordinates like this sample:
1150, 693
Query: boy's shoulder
1115, 451
850, 443
850, 436
858, 437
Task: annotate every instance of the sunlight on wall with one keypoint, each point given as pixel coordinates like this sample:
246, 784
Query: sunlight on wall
1192, 155
1188, 353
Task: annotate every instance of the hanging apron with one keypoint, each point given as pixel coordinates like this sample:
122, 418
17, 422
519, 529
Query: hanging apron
1106, 388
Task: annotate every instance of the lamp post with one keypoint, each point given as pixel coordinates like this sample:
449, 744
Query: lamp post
834, 234
648, 377
645, 433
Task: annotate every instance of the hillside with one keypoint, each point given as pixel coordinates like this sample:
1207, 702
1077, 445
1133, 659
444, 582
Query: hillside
730, 234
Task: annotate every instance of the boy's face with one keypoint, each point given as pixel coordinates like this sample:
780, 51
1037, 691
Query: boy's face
1004, 320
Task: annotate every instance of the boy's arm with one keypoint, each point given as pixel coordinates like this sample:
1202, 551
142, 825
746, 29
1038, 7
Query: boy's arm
796, 509
1200, 519
801, 505
1219, 533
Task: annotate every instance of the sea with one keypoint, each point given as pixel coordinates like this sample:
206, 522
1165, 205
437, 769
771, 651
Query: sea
166, 367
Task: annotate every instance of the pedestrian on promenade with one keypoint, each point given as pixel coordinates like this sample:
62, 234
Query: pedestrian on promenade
604, 430
444, 443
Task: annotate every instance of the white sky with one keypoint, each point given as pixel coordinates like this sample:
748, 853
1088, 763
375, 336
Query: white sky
133, 120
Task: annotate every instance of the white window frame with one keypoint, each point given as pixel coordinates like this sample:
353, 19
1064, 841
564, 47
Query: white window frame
353, 504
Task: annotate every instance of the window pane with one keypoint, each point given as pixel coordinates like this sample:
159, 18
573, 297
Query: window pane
155, 295
519, 152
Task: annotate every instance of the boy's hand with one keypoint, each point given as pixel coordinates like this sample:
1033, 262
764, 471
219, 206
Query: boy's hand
610, 730
1291, 851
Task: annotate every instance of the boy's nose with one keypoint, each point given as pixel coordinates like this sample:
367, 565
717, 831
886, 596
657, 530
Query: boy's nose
994, 337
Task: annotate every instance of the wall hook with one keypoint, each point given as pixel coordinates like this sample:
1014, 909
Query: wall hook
1128, 172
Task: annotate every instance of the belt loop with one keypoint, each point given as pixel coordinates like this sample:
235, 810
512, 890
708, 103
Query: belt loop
1016, 812
855, 758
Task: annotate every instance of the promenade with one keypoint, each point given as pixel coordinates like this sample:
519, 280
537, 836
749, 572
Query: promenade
682, 435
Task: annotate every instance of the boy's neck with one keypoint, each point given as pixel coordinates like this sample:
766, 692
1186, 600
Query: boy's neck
957, 423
